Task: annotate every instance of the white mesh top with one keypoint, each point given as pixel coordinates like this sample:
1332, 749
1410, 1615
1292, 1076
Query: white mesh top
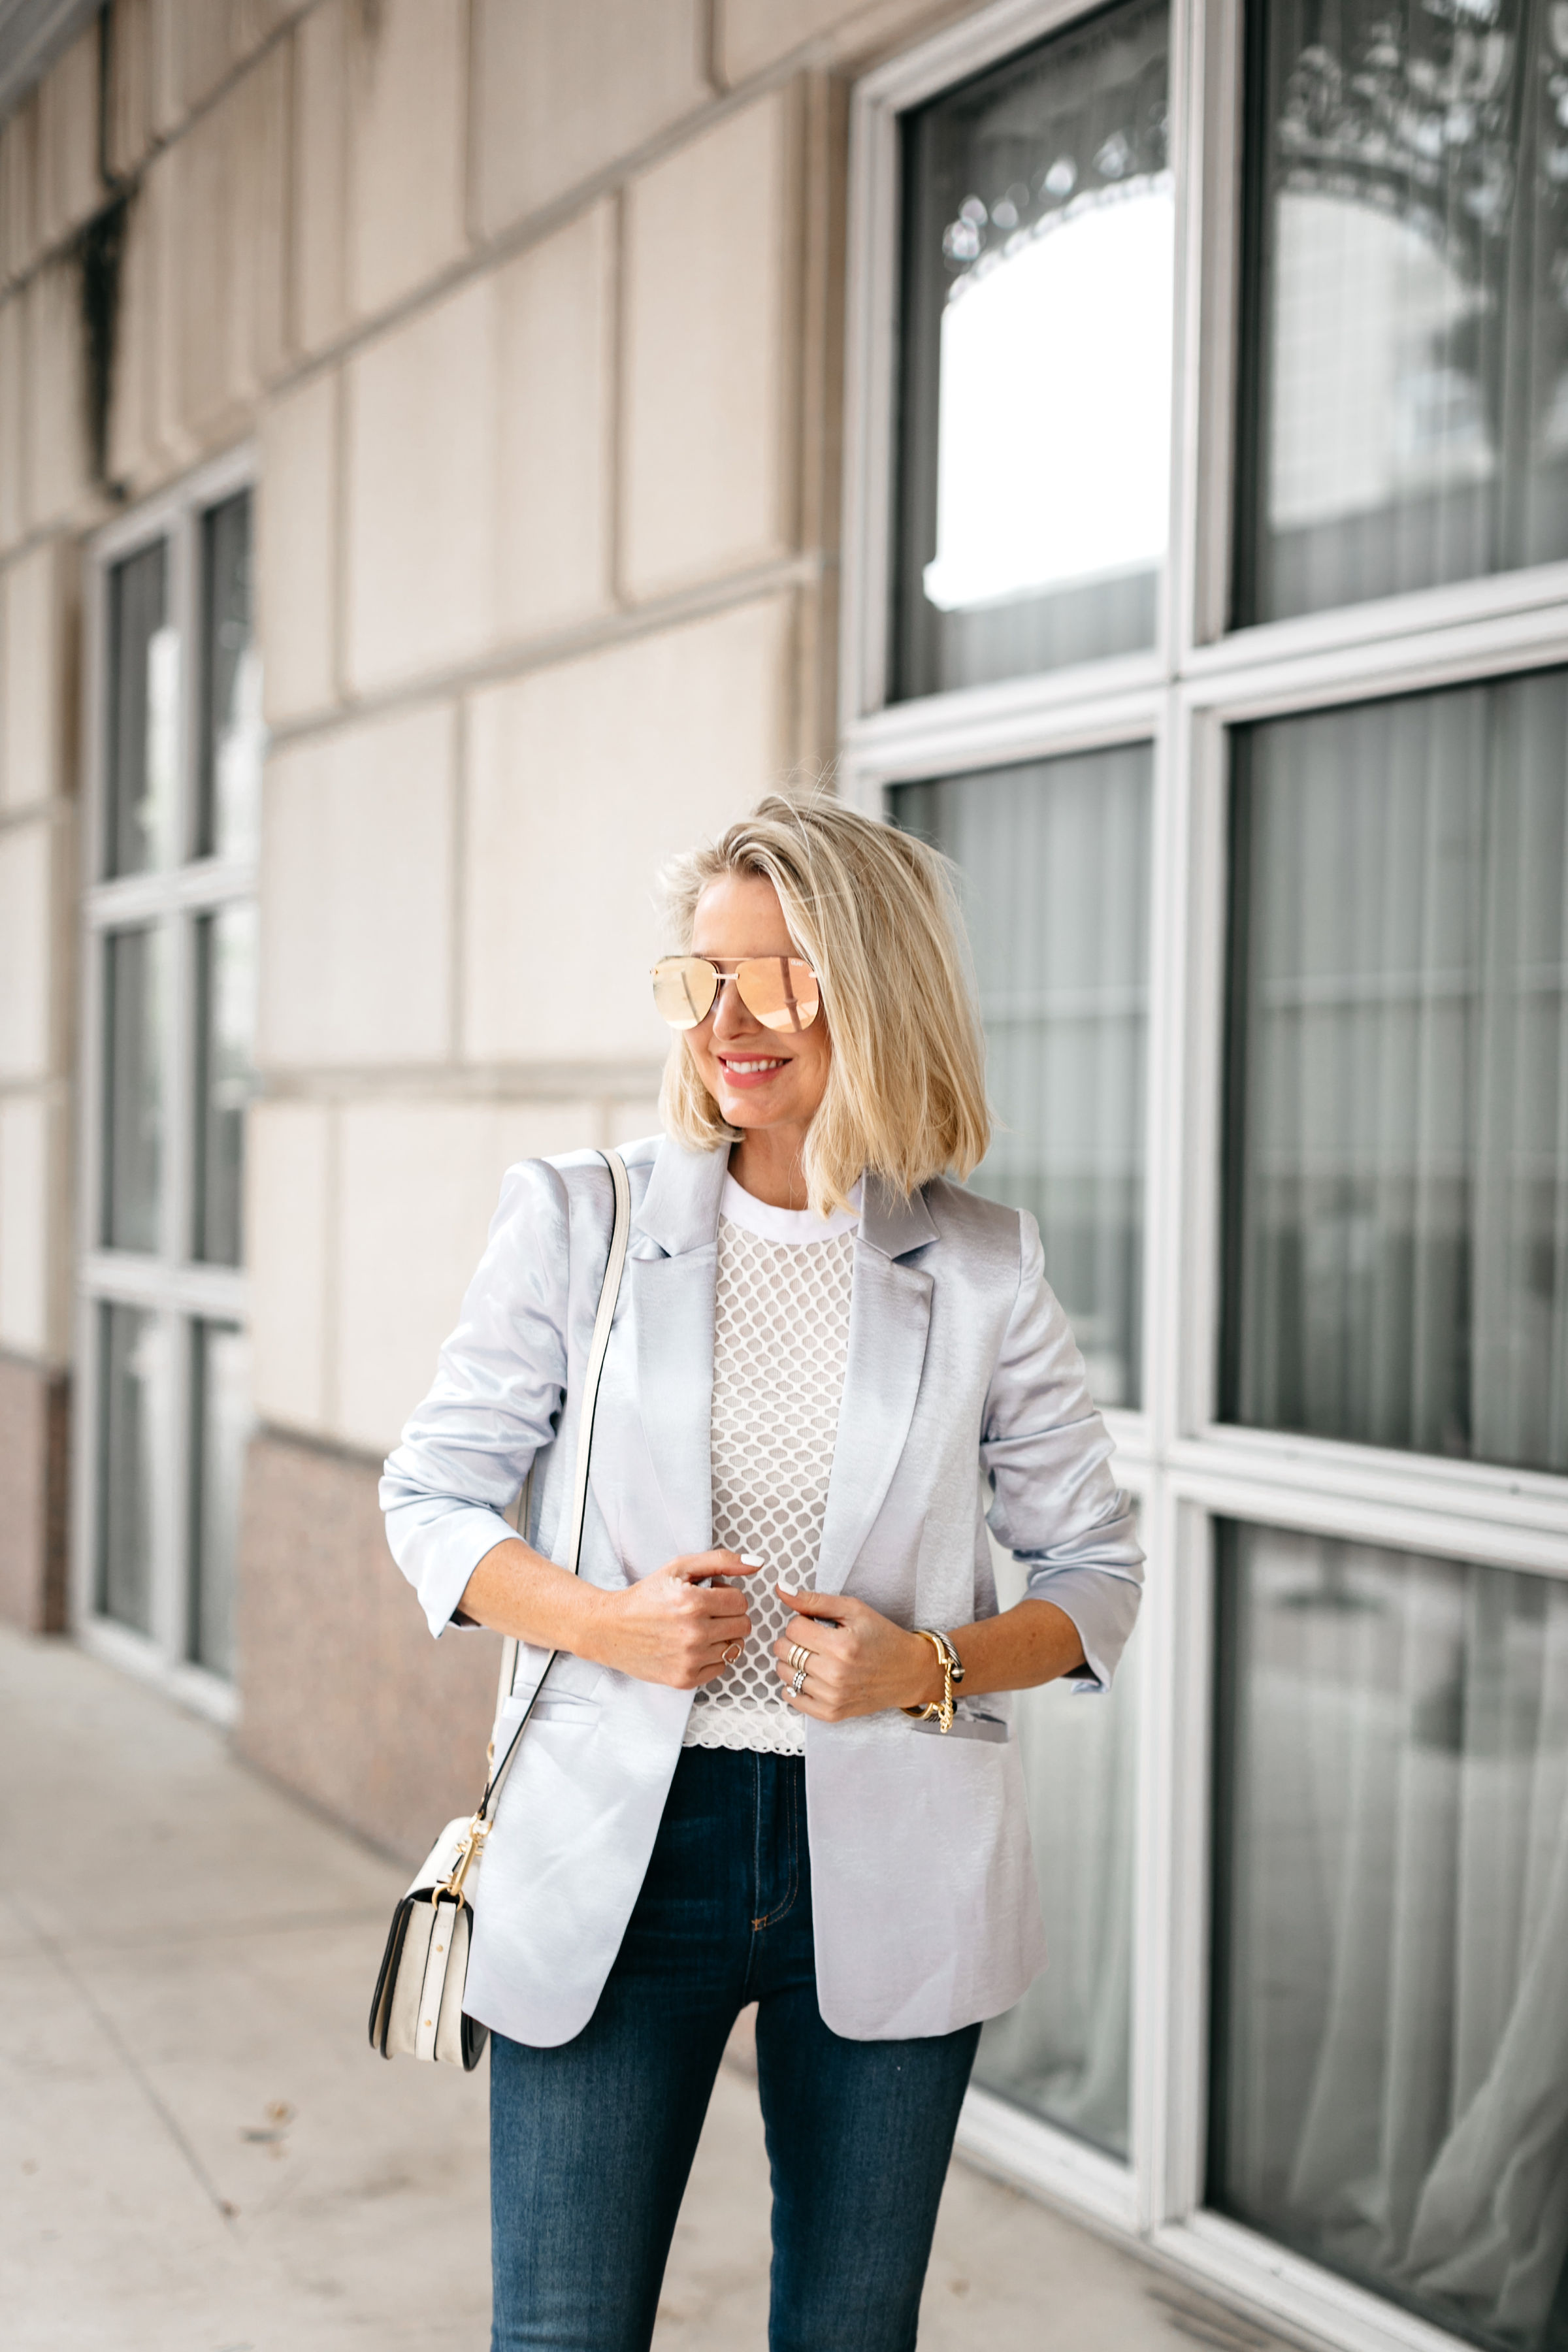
781, 1336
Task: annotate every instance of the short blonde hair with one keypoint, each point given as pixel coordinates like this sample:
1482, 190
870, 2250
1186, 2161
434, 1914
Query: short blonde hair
876, 914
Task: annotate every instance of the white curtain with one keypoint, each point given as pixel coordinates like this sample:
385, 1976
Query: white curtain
1394, 1950
1402, 1208
1064, 2050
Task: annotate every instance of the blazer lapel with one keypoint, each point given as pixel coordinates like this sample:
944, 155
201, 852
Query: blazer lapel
672, 1304
890, 1316
672, 1301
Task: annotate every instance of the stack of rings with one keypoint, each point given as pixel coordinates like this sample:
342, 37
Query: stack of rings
799, 1658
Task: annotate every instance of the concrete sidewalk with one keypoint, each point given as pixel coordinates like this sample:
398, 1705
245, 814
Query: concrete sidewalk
199, 2154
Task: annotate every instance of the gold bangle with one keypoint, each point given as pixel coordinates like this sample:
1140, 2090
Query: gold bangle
942, 1712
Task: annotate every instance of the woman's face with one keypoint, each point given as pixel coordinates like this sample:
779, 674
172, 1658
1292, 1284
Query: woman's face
758, 1078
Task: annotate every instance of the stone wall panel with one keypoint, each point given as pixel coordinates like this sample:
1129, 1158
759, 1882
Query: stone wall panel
68, 186
37, 678
33, 1192
297, 548
418, 1185
13, 405
548, 114
582, 779
344, 1697
321, 176
227, 273
208, 40
55, 474
288, 1229
29, 1014
708, 366
750, 36
129, 124
555, 342
19, 188
409, 102
356, 892
423, 429
34, 1485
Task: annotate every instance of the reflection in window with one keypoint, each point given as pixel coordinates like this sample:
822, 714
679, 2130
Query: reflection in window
230, 777
220, 1417
1397, 1212
136, 1014
1034, 464
225, 1026
1408, 339
1065, 2052
133, 1421
1390, 2090
143, 716
1055, 865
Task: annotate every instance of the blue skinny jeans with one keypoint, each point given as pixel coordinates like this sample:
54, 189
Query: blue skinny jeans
591, 2142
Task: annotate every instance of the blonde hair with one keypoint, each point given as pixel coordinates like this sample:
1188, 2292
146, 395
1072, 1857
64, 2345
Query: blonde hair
876, 914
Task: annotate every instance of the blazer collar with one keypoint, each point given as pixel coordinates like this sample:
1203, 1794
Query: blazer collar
680, 1207
892, 1225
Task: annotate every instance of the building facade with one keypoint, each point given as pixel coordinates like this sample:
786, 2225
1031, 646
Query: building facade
454, 452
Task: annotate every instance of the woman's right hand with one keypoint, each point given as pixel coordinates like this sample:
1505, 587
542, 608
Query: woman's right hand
675, 1625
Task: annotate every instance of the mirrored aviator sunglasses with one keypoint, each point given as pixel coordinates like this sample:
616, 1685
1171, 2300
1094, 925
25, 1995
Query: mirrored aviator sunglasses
781, 992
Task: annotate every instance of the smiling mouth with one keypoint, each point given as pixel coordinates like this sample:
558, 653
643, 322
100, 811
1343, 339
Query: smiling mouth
739, 1069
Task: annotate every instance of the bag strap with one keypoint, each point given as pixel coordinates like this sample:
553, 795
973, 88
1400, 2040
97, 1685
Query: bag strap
620, 1233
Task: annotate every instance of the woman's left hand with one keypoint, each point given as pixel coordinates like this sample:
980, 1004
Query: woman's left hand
860, 1662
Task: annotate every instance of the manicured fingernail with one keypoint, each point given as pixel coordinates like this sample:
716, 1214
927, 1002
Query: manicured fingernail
747, 1562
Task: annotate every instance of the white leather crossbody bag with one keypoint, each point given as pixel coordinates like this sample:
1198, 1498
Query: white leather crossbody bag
418, 2007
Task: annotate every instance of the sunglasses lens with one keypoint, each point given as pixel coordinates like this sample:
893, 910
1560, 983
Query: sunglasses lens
779, 992
684, 988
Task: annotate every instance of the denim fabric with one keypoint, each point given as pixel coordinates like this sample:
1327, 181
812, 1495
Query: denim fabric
591, 2141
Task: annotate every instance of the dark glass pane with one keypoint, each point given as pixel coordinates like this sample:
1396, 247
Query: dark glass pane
133, 1404
220, 1424
1397, 1209
1054, 864
225, 1023
1065, 2052
230, 763
1033, 459
1390, 2031
144, 712
135, 1027
1405, 382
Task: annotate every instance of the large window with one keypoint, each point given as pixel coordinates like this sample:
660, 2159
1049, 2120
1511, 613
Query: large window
1035, 361
1391, 1924
1408, 416
1207, 602
170, 927
1054, 859
1398, 1201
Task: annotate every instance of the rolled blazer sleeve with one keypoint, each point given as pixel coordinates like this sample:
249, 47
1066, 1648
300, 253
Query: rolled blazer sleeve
500, 1381
1046, 1452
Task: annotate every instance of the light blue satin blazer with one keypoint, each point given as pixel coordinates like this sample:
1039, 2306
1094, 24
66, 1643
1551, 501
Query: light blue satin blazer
963, 1387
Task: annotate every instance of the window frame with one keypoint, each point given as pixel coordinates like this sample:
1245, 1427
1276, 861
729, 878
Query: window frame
1201, 680
166, 1282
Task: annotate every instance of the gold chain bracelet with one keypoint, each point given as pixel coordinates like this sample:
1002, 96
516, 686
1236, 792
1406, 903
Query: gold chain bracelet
947, 1658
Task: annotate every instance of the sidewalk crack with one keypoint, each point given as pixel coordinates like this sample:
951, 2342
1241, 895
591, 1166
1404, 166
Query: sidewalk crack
227, 2213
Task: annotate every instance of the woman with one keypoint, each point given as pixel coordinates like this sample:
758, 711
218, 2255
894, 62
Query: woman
755, 1775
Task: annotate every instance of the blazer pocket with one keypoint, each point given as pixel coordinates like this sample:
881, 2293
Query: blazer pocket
571, 1695
966, 1726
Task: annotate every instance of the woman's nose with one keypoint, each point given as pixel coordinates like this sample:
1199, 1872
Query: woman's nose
731, 1018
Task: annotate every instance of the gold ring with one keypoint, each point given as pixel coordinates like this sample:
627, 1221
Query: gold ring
799, 1655
732, 1652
